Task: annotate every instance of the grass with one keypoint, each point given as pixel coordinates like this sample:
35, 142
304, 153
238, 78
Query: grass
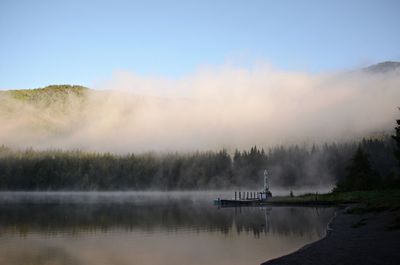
374, 201
368, 201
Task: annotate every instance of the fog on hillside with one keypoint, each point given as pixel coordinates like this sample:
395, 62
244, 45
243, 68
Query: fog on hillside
215, 108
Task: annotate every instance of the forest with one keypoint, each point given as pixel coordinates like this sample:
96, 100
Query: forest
290, 167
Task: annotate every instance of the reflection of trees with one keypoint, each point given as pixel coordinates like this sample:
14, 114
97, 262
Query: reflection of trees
300, 220
38, 255
174, 215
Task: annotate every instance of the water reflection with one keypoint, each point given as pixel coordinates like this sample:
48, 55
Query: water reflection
167, 230
67, 218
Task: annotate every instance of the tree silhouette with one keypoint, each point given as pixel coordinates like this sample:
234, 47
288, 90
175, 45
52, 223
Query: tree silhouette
290, 166
396, 137
360, 175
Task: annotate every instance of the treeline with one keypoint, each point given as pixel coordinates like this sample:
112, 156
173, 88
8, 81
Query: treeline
290, 167
363, 175
75, 170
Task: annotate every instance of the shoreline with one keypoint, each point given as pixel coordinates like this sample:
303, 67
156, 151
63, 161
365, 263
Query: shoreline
366, 238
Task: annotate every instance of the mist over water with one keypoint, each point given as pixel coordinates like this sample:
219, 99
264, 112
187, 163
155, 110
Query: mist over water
134, 197
149, 228
221, 107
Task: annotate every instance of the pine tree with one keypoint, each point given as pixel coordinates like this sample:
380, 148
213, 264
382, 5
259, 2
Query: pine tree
360, 175
396, 137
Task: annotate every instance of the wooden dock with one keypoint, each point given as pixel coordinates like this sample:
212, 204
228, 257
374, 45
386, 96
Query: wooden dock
233, 203
251, 198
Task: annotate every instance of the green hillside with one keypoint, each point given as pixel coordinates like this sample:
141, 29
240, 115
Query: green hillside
46, 95
57, 97
51, 109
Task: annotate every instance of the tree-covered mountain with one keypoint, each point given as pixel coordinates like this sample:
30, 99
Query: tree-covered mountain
46, 96
52, 91
45, 112
383, 67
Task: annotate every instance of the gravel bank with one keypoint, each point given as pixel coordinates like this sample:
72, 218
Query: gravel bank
352, 239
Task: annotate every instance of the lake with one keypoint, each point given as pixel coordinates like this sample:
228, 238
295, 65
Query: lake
121, 228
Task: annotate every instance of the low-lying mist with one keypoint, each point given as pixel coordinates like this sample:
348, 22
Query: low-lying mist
224, 107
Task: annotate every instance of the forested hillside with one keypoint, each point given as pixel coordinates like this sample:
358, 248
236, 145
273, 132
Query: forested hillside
44, 97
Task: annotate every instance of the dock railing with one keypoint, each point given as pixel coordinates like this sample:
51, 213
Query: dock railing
247, 195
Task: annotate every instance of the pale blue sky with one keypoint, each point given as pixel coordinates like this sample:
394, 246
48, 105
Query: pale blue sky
83, 42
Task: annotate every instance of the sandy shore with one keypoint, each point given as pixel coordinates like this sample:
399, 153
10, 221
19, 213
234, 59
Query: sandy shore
352, 239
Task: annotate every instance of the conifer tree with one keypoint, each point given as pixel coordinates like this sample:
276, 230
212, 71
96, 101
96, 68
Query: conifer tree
360, 175
396, 137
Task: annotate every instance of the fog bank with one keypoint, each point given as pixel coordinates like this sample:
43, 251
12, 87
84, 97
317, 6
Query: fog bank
222, 107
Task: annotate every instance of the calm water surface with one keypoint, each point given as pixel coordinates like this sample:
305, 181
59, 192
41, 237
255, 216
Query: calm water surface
121, 228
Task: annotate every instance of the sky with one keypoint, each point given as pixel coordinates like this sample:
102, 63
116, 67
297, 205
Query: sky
87, 42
